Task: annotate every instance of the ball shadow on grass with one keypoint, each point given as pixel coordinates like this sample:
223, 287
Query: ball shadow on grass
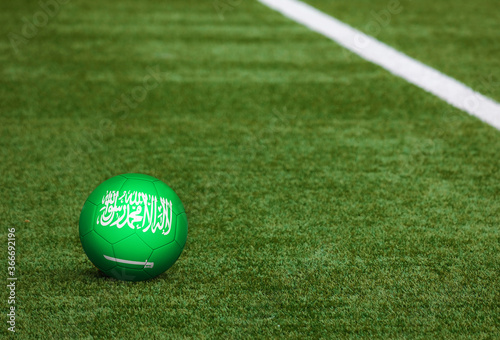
97, 274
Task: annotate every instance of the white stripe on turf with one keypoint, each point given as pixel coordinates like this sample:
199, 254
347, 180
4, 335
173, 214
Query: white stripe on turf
369, 48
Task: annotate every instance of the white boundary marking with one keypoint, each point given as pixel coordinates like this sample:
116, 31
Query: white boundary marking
145, 264
369, 48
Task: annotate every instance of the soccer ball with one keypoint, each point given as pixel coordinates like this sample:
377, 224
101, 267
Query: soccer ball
133, 227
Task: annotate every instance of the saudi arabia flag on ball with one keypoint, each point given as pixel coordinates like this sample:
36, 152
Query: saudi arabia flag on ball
133, 227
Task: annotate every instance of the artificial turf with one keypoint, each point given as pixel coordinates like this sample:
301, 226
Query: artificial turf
325, 197
459, 38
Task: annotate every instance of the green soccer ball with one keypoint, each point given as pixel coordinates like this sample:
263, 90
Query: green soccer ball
133, 227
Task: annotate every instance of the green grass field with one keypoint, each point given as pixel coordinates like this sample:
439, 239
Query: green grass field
326, 198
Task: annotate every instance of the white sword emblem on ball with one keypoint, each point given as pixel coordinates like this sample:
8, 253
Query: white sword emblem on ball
145, 264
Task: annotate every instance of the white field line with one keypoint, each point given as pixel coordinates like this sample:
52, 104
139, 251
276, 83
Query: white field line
369, 48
